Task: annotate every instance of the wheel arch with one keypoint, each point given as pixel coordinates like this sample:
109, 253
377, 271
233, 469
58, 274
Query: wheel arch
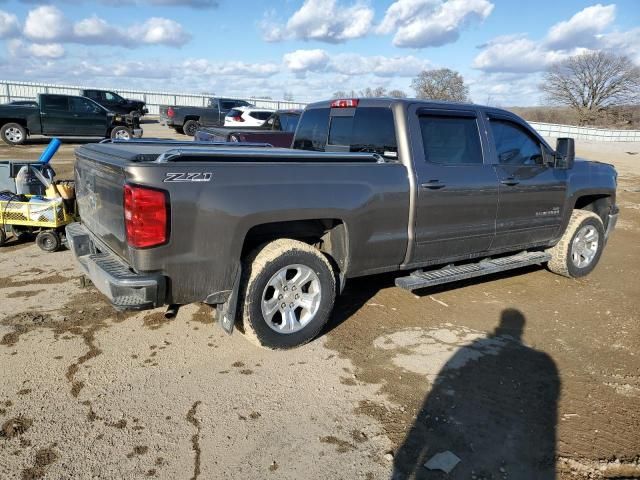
329, 235
598, 203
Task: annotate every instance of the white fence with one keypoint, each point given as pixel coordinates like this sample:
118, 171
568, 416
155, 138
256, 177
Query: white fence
586, 133
10, 90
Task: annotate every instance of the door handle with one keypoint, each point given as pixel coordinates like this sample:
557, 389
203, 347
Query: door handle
433, 185
510, 181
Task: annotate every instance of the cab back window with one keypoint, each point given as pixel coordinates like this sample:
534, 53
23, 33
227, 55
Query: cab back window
312, 130
370, 129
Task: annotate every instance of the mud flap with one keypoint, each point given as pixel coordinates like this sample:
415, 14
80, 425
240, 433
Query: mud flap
226, 312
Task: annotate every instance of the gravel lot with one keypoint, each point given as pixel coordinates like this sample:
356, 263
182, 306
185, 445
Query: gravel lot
522, 367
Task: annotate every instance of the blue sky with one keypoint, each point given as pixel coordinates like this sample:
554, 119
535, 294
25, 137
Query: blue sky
307, 48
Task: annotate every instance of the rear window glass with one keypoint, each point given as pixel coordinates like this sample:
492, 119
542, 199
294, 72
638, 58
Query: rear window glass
450, 140
369, 130
234, 113
55, 103
312, 131
260, 115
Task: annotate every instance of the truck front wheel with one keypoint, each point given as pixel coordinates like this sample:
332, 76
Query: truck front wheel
287, 294
13, 134
121, 133
578, 251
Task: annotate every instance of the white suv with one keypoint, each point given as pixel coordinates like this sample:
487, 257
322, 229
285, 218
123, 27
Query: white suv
247, 117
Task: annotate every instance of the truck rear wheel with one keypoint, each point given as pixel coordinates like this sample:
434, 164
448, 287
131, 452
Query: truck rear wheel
578, 251
13, 134
190, 127
287, 294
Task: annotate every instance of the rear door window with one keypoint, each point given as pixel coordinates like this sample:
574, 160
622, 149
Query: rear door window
288, 122
55, 103
451, 140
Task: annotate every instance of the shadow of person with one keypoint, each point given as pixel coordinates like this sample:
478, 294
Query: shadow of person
494, 405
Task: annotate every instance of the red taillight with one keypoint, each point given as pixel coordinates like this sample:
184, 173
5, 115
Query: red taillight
345, 103
145, 216
170, 112
237, 119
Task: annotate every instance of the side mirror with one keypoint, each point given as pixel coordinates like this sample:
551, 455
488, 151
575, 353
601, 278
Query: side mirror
565, 153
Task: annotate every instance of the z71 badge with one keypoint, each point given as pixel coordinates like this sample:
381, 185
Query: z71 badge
188, 177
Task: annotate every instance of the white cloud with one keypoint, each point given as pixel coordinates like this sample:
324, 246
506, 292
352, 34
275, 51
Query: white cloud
95, 30
8, 24
322, 20
18, 49
156, 31
583, 32
378, 65
582, 28
301, 61
517, 53
46, 23
431, 23
230, 68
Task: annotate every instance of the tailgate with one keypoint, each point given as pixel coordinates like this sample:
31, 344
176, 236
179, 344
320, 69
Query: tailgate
163, 112
99, 192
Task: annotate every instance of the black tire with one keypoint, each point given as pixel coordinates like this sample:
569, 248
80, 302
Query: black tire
179, 130
259, 269
121, 133
49, 241
190, 127
565, 254
13, 134
3, 236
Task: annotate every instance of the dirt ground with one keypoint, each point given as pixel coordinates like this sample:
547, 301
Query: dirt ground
521, 369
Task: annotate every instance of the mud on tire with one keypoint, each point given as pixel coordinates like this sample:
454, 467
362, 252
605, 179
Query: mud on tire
259, 270
561, 261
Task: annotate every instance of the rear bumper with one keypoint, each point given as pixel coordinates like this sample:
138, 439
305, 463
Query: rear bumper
125, 289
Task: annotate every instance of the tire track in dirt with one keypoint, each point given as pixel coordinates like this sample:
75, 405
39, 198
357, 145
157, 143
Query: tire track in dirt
195, 439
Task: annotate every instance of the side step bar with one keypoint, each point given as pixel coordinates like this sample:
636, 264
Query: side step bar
420, 279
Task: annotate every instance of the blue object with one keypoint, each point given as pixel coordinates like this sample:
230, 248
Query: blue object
50, 151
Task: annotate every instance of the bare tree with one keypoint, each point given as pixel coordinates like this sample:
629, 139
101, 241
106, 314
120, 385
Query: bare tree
592, 82
440, 84
396, 93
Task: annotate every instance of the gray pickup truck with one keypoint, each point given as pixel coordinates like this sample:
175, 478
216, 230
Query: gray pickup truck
187, 120
440, 191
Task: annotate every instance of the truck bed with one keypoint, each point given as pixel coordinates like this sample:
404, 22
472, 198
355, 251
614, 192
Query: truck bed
218, 193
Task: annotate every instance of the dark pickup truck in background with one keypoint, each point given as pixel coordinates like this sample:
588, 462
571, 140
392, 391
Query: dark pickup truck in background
277, 130
114, 102
187, 120
269, 236
64, 116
